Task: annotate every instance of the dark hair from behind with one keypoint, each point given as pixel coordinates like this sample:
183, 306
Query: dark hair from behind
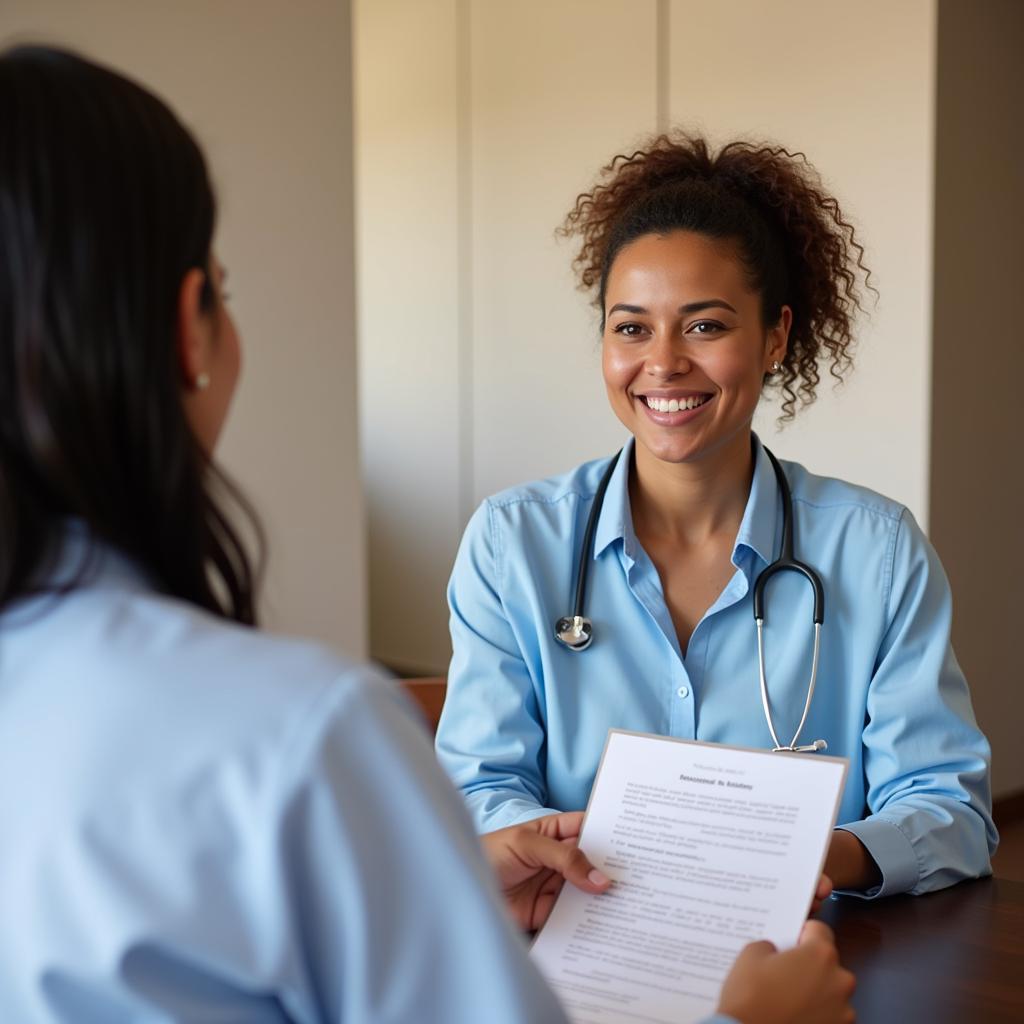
789, 233
105, 205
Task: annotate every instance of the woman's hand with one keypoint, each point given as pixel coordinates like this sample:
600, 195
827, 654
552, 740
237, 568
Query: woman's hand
849, 864
532, 861
821, 894
804, 985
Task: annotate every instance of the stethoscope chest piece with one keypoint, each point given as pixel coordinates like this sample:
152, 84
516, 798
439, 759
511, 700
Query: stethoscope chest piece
574, 632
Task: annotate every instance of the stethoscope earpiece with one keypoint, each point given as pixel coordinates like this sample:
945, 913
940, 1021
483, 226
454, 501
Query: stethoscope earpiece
574, 632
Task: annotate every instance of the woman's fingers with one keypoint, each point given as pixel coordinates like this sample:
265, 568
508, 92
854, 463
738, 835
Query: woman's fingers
564, 858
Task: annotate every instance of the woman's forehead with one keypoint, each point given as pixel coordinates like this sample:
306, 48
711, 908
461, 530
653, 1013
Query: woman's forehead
682, 263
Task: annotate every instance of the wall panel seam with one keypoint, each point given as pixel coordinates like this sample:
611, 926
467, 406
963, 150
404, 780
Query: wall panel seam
464, 286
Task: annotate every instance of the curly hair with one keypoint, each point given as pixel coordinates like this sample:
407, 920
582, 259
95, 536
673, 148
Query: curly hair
796, 247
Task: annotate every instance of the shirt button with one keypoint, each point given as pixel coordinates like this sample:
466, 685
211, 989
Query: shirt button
683, 691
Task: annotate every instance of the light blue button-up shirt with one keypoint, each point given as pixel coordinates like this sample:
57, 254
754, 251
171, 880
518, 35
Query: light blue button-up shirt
525, 719
202, 822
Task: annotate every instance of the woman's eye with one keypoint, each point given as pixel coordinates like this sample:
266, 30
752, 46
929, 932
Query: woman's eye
706, 327
629, 330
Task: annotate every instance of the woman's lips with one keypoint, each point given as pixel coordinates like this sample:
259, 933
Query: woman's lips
660, 410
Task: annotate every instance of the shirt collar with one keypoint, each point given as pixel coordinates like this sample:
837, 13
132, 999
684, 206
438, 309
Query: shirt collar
616, 519
760, 524
81, 560
758, 528
77, 562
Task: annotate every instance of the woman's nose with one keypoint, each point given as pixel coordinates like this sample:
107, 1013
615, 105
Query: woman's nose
667, 355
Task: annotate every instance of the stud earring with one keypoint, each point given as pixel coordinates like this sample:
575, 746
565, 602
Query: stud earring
202, 381
776, 366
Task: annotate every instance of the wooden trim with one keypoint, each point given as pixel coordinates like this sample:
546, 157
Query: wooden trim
402, 671
1008, 810
428, 695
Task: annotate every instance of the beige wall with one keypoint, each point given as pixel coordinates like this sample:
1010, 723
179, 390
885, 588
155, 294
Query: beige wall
269, 95
852, 86
977, 492
408, 313
543, 121
472, 353
479, 122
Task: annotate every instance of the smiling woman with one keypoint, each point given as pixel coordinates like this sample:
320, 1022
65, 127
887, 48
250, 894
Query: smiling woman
699, 362
768, 206
717, 275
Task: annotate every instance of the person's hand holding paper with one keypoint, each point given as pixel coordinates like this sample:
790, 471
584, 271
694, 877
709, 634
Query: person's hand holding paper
532, 860
803, 985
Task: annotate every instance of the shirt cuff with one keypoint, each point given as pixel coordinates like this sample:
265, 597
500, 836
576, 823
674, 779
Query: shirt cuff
892, 852
509, 812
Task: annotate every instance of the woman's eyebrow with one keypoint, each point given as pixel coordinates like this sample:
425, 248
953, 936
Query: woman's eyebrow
696, 307
690, 307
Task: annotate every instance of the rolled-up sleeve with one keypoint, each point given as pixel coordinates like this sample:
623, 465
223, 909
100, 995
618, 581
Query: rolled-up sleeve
925, 760
490, 739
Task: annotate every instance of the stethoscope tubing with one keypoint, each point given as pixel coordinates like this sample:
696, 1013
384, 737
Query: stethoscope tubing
588, 536
786, 562
576, 633
807, 703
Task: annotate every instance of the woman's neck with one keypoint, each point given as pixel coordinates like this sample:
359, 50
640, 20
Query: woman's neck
688, 503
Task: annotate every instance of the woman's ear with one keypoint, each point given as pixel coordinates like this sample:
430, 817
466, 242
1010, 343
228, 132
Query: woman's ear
778, 339
193, 330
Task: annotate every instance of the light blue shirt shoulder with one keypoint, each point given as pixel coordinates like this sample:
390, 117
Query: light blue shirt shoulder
525, 720
580, 482
205, 821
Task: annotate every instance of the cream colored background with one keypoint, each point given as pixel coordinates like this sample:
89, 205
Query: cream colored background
477, 125
268, 94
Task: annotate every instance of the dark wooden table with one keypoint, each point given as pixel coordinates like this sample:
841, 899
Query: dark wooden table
951, 956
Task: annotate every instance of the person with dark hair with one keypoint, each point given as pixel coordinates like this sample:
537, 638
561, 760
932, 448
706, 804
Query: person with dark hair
203, 821
718, 275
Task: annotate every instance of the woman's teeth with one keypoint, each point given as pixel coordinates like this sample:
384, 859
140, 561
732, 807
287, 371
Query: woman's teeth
675, 405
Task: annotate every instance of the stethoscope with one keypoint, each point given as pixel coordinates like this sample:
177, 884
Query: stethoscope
576, 631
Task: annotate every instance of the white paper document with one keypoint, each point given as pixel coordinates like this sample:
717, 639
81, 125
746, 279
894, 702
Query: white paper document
709, 847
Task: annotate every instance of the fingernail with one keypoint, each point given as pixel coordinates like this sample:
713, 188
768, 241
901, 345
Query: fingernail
597, 878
